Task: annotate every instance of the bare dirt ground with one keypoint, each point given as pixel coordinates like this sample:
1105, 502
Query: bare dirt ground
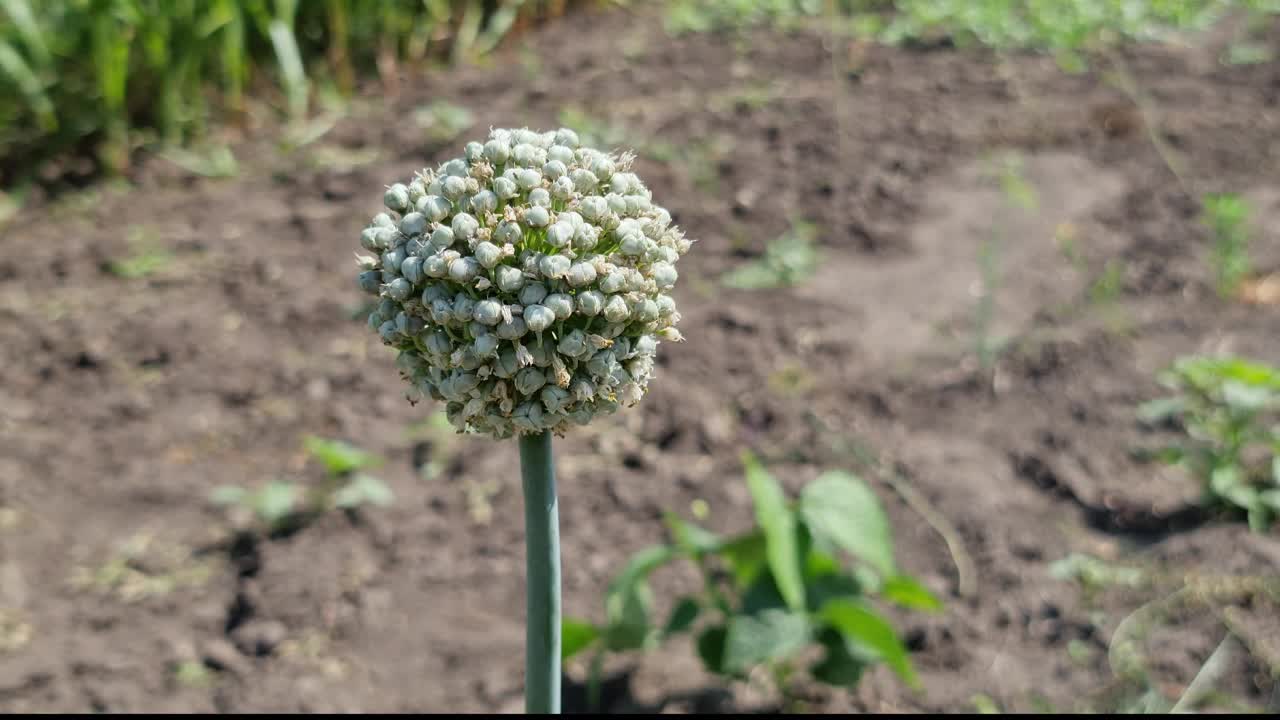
123, 402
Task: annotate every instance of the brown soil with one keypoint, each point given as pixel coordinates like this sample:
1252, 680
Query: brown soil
123, 402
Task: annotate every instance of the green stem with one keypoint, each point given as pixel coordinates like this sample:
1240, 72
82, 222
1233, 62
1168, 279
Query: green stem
542, 548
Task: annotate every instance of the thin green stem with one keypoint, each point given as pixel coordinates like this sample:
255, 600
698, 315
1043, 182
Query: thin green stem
542, 563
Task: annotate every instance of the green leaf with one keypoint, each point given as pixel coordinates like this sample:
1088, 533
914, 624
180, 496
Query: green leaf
746, 557
690, 537
682, 617
826, 588
275, 501
1157, 411
1227, 482
768, 635
640, 565
711, 648
576, 636
905, 591
839, 508
865, 629
627, 611
339, 457
1270, 498
838, 667
361, 490
780, 532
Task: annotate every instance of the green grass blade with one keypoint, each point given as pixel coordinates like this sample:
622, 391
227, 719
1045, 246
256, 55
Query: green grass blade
21, 74
19, 11
292, 74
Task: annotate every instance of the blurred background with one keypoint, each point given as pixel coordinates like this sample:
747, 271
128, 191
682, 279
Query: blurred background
951, 246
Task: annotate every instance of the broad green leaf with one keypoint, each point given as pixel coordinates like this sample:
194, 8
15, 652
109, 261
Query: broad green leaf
746, 556
627, 611
361, 490
905, 591
690, 537
780, 532
711, 648
867, 630
339, 457
576, 636
1227, 482
768, 635
820, 564
838, 666
840, 508
1270, 498
682, 617
826, 588
275, 501
1245, 397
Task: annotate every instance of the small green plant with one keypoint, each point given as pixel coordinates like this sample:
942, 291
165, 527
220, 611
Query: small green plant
1228, 409
787, 261
281, 504
802, 578
1227, 218
147, 257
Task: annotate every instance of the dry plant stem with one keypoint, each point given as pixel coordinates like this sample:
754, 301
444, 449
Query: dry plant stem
542, 566
1213, 670
967, 576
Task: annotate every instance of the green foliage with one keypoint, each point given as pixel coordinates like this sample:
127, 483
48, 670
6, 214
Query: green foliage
1227, 218
281, 504
102, 75
787, 261
804, 576
1228, 411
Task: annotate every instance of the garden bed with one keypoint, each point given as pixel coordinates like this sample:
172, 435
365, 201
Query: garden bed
188, 332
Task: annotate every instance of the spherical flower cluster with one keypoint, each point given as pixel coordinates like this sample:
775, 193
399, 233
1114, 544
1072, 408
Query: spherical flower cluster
526, 284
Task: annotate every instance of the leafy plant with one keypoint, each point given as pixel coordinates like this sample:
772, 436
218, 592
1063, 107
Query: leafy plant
281, 504
1227, 218
1227, 408
802, 577
787, 261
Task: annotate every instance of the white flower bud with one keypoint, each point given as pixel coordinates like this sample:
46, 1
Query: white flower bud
540, 197
537, 216
585, 237
614, 282
617, 204
397, 198
435, 266
566, 137
453, 187
497, 151
438, 342
485, 346
554, 266
464, 269
485, 201
529, 155
554, 170
388, 332
513, 329
505, 188
584, 181
473, 151
488, 311
399, 289
434, 207
664, 275
560, 234
411, 269
384, 220
413, 224
590, 303
573, 344
562, 188
532, 293
581, 274
560, 304
442, 238
538, 317
369, 238
488, 255
528, 179
464, 226
509, 279
463, 308
645, 311
593, 208
507, 366
554, 399
616, 309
